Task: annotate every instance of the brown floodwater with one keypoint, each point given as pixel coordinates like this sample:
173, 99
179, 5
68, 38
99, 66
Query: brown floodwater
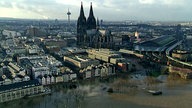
177, 93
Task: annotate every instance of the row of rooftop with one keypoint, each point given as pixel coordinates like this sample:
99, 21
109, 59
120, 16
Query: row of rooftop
25, 61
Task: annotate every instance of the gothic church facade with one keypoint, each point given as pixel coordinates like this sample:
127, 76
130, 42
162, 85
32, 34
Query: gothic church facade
89, 33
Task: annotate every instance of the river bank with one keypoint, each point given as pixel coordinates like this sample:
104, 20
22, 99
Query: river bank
176, 93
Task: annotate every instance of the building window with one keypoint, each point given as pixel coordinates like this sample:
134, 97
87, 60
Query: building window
8, 96
3, 97
31, 91
39, 89
26, 91
18, 94
35, 90
13, 95
22, 93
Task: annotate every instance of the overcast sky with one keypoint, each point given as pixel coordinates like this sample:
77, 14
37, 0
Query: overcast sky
156, 10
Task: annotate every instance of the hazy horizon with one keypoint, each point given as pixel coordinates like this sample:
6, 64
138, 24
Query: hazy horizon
108, 10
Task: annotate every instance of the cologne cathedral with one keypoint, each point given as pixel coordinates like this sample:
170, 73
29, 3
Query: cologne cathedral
89, 33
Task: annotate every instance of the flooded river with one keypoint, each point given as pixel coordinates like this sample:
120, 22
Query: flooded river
177, 93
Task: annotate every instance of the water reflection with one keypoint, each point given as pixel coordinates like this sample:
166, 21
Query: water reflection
129, 92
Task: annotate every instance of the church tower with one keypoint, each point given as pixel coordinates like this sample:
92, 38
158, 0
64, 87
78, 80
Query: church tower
81, 27
91, 21
98, 25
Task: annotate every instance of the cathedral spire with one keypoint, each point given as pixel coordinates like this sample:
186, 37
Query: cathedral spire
91, 11
82, 11
91, 21
81, 26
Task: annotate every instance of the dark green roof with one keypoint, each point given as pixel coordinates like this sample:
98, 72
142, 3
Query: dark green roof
159, 42
164, 40
24, 84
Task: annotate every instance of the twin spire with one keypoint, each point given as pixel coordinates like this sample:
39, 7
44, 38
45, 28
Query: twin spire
82, 10
91, 21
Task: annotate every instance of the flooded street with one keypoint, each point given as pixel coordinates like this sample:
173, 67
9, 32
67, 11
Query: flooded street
128, 92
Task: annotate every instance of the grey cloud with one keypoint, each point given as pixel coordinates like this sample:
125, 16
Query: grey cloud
6, 4
109, 9
41, 7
